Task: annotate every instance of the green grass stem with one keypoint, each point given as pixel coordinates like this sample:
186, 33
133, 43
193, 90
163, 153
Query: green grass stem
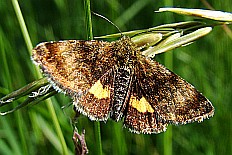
168, 62
97, 131
48, 101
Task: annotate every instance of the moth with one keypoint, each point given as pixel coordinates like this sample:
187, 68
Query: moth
114, 80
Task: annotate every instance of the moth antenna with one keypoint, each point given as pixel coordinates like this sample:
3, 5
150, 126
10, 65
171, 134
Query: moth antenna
107, 20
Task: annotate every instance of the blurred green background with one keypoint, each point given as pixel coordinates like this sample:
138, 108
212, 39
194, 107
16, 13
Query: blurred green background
206, 64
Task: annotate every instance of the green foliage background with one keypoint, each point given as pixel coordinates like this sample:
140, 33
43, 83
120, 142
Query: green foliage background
206, 64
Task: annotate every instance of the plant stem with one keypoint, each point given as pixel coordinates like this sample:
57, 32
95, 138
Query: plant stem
39, 75
168, 62
90, 37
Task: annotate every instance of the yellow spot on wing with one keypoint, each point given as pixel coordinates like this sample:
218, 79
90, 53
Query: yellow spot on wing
141, 105
98, 91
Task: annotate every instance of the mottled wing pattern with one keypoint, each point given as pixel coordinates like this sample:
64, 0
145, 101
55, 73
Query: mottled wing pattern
140, 116
73, 65
174, 100
96, 103
160, 97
